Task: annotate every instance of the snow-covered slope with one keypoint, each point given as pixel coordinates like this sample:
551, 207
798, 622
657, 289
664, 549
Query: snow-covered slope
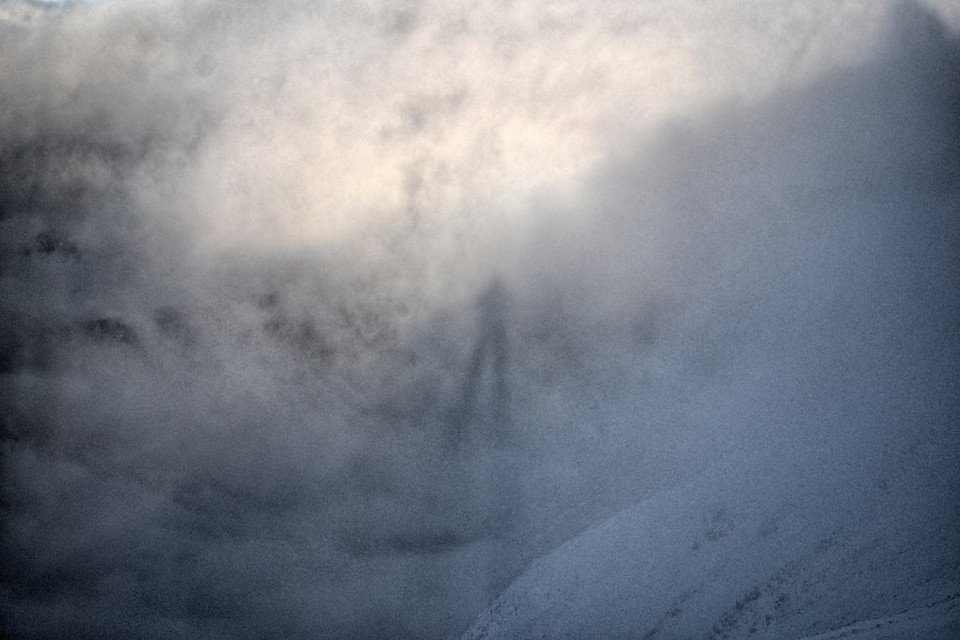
722, 559
832, 510
940, 621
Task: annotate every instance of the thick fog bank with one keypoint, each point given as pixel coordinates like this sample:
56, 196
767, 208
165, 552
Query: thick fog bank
324, 320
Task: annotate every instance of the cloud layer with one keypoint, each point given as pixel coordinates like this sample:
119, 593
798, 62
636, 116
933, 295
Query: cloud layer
321, 321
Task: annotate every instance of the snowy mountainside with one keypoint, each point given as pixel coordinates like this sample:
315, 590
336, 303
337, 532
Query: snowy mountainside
936, 622
722, 559
830, 507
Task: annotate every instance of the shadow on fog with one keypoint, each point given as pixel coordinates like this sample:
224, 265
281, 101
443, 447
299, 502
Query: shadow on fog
280, 452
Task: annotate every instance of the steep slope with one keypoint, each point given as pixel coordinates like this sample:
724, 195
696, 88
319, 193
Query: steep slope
721, 560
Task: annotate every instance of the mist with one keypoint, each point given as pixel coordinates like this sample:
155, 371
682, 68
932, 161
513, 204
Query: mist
324, 320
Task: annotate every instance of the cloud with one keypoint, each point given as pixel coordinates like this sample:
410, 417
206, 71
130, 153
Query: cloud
277, 281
